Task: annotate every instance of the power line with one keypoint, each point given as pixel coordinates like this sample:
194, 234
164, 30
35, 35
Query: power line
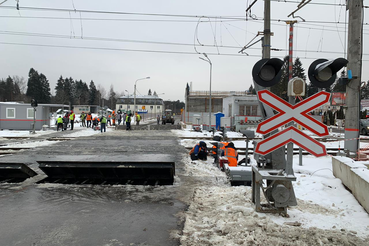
319, 3
44, 35
110, 19
122, 13
144, 51
161, 15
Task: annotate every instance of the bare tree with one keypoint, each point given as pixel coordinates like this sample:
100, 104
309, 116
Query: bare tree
102, 91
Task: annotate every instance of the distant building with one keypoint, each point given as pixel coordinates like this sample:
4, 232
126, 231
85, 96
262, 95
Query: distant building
235, 105
20, 116
151, 105
77, 109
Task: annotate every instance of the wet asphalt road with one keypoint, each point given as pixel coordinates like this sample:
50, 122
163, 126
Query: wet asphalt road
57, 214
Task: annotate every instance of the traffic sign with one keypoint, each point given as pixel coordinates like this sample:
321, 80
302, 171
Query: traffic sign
297, 113
291, 134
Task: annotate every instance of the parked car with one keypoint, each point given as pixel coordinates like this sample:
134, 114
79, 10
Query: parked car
364, 126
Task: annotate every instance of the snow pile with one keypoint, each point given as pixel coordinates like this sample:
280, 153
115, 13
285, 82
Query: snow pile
225, 216
326, 214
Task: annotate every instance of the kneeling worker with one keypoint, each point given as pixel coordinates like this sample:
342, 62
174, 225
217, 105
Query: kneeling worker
199, 151
231, 153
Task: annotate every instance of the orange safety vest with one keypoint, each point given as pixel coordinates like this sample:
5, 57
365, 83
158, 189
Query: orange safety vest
193, 149
221, 146
89, 117
231, 155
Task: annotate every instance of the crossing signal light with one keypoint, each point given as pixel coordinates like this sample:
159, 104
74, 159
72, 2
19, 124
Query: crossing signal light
322, 72
267, 72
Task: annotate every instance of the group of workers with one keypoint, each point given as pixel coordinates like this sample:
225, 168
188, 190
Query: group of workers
228, 150
62, 123
93, 122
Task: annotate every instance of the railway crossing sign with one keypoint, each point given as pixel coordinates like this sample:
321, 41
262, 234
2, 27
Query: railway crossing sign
287, 113
291, 134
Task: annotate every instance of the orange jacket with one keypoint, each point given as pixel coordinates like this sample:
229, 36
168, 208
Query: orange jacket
89, 117
232, 156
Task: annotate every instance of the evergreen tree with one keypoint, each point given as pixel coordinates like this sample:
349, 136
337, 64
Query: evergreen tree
112, 101
280, 89
93, 97
297, 70
69, 90
252, 91
45, 88
60, 96
33, 84
38, 87
149, 93
81, 92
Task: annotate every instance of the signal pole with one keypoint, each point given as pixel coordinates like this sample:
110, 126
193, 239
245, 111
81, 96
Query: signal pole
354, 56
278, 156
267, 33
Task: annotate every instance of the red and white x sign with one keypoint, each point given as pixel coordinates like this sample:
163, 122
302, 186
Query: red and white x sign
291, 134
297, 113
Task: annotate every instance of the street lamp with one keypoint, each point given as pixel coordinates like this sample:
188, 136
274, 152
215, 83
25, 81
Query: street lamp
157, 95
127, 101
134, 106
211, 69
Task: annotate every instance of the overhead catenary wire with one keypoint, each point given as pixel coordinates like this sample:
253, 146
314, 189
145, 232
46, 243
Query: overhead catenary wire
238, 18
138, 50
44, 35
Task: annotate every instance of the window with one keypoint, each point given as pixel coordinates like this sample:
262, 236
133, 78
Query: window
250, 110
30, 112
10, 113
157, 107
151, 107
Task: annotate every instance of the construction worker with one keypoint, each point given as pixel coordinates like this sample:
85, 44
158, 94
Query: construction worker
113, 116
231, 153
60, 123
128, 122
119, 117
65, 121
220, 146
199, 151
83, 119
138, 118
95, 122
72, 116
109, 119
89, 119
103, 123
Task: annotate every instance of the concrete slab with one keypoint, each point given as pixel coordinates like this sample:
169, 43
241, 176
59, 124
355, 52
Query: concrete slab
56, 214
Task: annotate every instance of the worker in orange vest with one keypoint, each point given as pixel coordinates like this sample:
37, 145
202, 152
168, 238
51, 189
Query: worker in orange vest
89, 119
220, 146
231, 153
113, 116
199, 151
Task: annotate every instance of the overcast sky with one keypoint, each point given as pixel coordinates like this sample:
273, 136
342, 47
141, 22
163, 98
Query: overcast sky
114, 43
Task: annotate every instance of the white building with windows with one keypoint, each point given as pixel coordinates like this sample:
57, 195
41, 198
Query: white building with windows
150, 105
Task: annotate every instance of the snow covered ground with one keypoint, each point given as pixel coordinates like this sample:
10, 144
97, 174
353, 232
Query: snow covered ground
327, 213
218, 214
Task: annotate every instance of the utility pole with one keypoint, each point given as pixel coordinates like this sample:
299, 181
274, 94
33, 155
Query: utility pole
278, 156
354, 56
291, 99
267, 32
